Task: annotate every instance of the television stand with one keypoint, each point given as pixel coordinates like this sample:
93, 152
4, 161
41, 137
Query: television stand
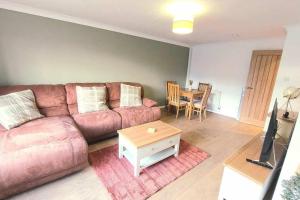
242, 179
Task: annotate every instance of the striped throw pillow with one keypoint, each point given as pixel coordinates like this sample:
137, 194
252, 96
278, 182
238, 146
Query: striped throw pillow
17, 108
130, 96
91, 99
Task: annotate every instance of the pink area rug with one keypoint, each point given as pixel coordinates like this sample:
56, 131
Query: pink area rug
117, 174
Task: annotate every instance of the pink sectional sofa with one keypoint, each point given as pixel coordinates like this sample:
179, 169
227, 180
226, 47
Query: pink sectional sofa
56, 145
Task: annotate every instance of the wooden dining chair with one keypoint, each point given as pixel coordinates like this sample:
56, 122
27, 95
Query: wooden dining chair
167, 91
201, 106
202, 86
174, 98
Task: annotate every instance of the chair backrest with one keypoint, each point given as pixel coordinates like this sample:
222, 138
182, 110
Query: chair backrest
202, 86
206, 95
167, 89
174, 93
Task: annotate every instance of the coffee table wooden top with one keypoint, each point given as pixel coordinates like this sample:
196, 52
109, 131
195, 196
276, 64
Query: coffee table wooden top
139, 136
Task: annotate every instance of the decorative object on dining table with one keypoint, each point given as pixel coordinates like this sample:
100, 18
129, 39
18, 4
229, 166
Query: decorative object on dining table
191, 85
290, 93
151, 130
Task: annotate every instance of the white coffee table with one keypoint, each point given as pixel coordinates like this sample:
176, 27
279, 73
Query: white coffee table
143, 149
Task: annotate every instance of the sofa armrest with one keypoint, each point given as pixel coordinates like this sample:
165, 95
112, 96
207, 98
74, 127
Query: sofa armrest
149, 102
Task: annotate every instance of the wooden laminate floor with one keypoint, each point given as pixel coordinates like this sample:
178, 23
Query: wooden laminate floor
218, 135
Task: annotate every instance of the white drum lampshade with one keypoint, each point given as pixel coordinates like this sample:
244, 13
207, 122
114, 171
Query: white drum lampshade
183, 25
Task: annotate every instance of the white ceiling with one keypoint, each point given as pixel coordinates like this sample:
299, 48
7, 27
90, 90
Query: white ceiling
223, 20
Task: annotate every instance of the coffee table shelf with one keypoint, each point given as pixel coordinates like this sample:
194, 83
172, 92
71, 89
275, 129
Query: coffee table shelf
150, 160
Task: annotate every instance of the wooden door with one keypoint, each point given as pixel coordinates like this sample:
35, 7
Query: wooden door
261, 79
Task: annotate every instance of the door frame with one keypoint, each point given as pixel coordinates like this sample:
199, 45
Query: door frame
277, 52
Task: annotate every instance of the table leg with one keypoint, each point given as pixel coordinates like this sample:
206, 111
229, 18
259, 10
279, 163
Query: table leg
186, 113
177, 149
137, 168
191, 105
190, 109
121, 149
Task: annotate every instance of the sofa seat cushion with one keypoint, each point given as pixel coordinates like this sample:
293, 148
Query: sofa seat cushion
94, 125
132, 116
39, 149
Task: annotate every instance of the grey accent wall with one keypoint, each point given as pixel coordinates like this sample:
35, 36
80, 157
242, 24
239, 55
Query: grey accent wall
38, 50
3, 79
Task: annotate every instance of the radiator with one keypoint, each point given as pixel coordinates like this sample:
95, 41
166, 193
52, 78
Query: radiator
214, 101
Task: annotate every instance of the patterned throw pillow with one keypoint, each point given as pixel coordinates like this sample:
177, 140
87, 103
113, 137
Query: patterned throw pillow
17, 108
130, 96
91, 99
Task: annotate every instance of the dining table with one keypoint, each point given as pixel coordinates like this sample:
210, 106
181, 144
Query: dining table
191, 95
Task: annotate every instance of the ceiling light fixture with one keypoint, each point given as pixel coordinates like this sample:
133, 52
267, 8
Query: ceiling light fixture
183, 25
183, 13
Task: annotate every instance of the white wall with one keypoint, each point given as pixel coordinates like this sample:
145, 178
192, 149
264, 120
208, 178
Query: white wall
289, 70
289, 75
225, 65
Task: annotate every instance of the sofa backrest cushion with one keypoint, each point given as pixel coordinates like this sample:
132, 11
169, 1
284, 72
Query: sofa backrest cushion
130, 96
50, 99
72, 96
114, 91
91, 99
18, 108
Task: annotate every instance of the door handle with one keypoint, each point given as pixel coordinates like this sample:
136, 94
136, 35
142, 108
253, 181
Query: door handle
250, 88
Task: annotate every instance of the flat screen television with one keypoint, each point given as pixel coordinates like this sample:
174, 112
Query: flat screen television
267, 147
271, 182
